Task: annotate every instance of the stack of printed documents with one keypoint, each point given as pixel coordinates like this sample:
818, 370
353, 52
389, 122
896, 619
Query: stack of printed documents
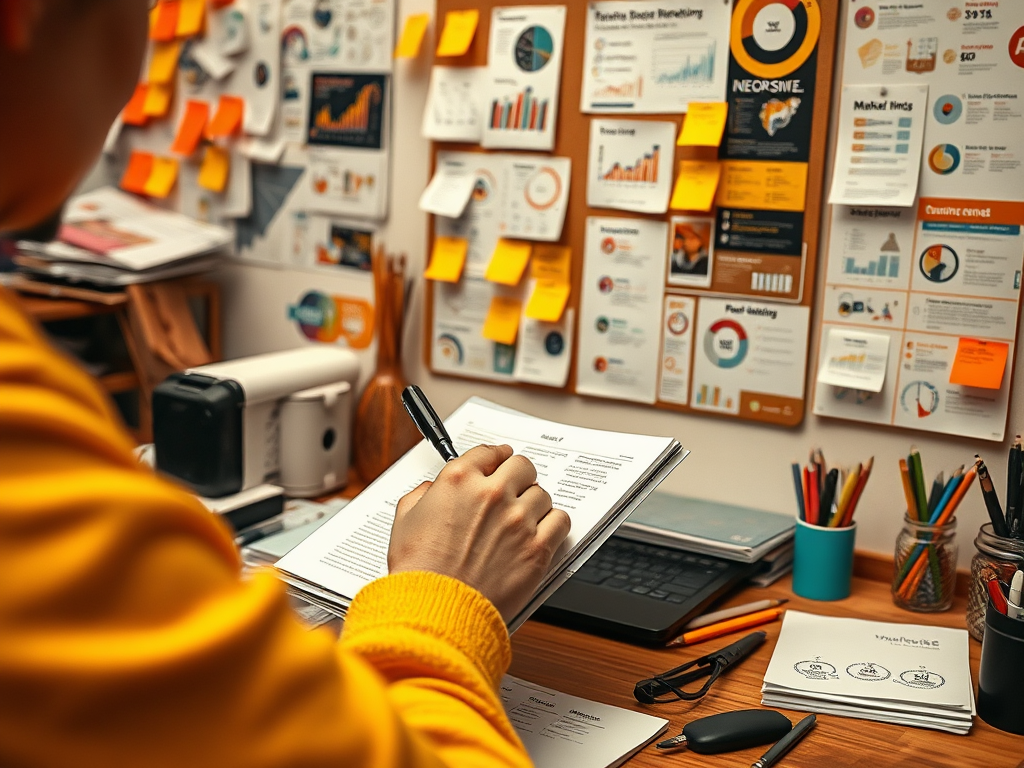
112, 238
905, 674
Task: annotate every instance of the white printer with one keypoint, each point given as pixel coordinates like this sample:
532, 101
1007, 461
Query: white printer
282, 417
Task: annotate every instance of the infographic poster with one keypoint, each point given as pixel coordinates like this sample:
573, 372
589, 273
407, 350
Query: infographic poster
749, 359
524, 71
630, 165
654, 57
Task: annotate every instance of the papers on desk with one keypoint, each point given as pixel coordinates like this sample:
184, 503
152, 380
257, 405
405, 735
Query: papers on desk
559, 730
597, 477
120, 234
906, 674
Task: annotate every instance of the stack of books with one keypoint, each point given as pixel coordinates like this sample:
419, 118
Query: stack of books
721, 530
597, 477
907, 674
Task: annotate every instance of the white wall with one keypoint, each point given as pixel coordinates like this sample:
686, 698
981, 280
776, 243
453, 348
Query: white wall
731, 461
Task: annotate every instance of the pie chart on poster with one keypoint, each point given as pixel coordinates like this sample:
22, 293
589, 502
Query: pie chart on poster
939, 263
948, 109
725, 343
772, 38
944, 159
534, 49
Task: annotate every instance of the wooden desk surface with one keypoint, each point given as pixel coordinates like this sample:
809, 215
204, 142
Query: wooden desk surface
606, 670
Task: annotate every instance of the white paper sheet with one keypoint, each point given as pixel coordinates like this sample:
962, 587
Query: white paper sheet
455, 104
630, 165
854, 359
449, 191
544, 350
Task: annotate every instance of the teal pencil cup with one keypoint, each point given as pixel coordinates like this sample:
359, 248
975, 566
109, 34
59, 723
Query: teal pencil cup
823, 561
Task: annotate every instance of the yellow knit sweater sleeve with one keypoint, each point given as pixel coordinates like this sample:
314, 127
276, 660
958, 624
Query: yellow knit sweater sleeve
127, 637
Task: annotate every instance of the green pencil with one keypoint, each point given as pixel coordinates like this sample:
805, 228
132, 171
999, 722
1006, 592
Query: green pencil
917, 473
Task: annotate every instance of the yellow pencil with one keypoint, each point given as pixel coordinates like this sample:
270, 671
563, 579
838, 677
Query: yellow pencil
844, 498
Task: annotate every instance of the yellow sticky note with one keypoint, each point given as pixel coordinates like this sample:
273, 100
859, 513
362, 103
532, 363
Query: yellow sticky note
412, 36
190, 17
704, 124
163, 62
552, 263
158, 99
162, 177
508, 262
547, 302
979, 363
696, 185
213, 174
459, 28
502, 323
765, 185
448, 259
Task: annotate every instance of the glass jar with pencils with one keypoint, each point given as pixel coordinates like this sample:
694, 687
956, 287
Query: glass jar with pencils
925, 560
997, 557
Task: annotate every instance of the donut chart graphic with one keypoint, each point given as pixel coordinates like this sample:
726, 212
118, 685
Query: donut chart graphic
449, 348
713, 348
944, 159
947, 109
919, 397
939, 263
771, 38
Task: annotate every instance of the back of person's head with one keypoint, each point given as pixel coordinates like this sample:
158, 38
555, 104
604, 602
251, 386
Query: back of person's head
66, 69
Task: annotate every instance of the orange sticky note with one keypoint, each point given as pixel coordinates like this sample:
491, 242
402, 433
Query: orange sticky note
551, 263
228, 118
459, 28
140, 167
162, 177
213, 174
163, 21
696, 185
190, 17
502, 323
412, 36
448, 259
134, 111
704, 124
547, 302
158, 99
190, 130
979, 363
163, 62
508, 262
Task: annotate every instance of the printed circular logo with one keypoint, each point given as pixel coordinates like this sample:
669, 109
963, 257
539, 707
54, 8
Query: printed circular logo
772, 38
921, 678
944, 159
1017, 47
868, 671
678, 323
601, 324
816, 670
608, 245
554, 343
605, 284
939, 263
948, 109
449, 348
725, 343
600, 364
534, 49
864, 17
316, 315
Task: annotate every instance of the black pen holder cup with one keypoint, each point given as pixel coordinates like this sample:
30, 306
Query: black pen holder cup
1001, 676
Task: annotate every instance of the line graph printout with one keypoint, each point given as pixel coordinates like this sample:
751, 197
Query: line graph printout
654, 57
630, 165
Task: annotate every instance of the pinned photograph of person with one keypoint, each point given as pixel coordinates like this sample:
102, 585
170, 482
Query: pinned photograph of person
691, 248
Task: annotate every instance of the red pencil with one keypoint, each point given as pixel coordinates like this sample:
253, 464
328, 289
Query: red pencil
996, 593
858, 489
812, 485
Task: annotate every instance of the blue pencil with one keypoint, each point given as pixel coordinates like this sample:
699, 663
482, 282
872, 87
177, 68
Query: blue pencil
951, 486
798, 481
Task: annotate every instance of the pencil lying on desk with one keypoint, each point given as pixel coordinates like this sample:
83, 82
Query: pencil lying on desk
726, 627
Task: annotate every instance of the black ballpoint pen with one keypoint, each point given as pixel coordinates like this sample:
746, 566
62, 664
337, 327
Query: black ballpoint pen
786, 743
428, 422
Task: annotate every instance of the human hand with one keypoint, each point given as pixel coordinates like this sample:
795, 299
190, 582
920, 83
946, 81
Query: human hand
483, 521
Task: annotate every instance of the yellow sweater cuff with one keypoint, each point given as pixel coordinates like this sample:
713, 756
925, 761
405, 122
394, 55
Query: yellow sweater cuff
435, 605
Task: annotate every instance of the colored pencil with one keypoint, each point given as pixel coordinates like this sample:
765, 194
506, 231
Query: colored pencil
917, 475
799, 491
852, 478
938, 486
813, 485
857, 491
726, 627
908, 491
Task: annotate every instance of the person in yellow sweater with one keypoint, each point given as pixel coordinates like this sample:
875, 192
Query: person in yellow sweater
127, 637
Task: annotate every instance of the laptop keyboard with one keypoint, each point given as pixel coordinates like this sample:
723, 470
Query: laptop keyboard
654, 572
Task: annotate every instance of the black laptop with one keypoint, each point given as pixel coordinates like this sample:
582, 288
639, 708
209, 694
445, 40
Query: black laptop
641, 593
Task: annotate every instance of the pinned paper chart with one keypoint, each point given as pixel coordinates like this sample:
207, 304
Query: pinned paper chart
630, 165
